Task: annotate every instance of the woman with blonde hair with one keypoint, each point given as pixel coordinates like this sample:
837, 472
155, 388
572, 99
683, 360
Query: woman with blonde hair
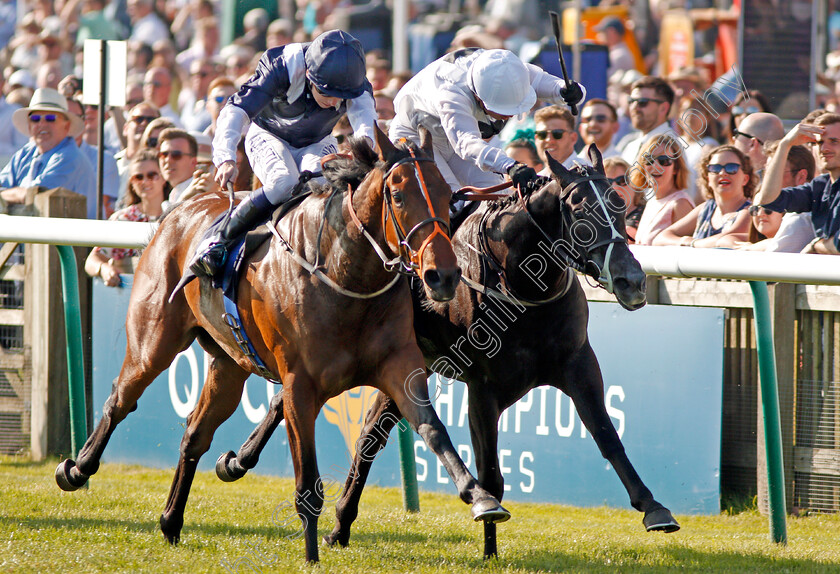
727, 181
661, 172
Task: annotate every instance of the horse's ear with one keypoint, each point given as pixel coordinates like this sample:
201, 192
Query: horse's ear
563, 175
386, 148
594, 155
426, 141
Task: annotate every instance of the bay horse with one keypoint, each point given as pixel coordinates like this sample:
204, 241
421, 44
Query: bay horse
346, 324
517, 256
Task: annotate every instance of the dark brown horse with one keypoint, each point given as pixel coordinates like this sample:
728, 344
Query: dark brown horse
516, 256
351, 325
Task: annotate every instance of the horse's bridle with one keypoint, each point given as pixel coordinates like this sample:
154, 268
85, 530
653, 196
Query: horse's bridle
408, 260
576, 259
585, 263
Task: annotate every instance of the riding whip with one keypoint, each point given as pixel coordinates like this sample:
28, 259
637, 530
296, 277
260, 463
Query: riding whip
555, 25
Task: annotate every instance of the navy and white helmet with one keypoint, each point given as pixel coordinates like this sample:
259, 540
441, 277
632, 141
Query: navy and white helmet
335, 64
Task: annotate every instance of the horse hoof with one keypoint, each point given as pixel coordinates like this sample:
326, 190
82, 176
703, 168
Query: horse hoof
65, 477
489, 510
334, 538
173, 536
660, 520
227, 469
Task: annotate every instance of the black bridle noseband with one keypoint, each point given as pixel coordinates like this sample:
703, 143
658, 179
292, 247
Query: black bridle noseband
579, 259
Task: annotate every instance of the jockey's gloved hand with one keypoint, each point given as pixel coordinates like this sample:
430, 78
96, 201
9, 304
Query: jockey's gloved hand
521, 175
572, 94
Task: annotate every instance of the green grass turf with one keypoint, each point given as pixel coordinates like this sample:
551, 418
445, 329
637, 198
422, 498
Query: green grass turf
112, 527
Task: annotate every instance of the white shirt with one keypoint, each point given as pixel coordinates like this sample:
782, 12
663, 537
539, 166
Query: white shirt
439, 98
149, 29
794, 234
632, 143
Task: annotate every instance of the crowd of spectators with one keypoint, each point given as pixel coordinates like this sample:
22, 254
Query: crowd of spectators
690, 175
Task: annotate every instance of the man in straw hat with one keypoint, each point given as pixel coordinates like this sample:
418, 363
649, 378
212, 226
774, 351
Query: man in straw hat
50, 158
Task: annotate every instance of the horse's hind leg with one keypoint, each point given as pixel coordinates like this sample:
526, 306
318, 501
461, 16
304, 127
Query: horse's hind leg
381, 418
484, 418
151, 347
586, 388
219, 398
233, 465
410, 391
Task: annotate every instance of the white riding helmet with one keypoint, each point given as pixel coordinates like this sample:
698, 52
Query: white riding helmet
502, 82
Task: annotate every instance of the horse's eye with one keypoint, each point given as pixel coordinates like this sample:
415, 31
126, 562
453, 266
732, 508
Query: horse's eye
577, 198
398, 198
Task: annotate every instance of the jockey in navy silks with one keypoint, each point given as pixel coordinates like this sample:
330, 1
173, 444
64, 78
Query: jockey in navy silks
287, 109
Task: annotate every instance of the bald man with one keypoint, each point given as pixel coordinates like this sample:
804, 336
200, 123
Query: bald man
753, 133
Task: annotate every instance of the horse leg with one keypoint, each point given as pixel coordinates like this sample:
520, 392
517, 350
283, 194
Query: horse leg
219, 399
484, 432
301, 407
381, 418
586, 389
151, 347
410, 391
232, 466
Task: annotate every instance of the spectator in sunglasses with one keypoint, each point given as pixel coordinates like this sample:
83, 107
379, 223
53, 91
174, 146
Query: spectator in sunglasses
751, 102
178, 158
342, 132
555, 134
650, 102
616, 170
218, 94
151, 135
728, 182
772, 230
818, 196
51, 157
144, 198
753, 133
661, 175
598, 125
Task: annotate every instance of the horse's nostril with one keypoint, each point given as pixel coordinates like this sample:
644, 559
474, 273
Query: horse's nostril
431, 278
621, 283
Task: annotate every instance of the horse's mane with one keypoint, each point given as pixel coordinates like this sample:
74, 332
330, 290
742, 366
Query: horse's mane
343, 171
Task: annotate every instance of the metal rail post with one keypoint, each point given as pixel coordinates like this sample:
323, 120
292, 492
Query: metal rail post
408, 468
75, 364
770, 410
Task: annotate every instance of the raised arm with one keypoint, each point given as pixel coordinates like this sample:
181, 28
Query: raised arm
680, 232
771, 185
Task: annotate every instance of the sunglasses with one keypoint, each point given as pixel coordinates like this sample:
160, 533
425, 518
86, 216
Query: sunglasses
620, 180
152, 141
662, 160
738, 110
340, 138
143, 119
758, 210
556, 134
174, 155
220, 99
600, 118
49, 118
730, 168
151, 176
736, 133
643, 102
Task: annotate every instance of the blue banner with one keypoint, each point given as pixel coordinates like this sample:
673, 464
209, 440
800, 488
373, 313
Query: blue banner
663, 374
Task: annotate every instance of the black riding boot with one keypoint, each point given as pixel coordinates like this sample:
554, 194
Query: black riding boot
212, 254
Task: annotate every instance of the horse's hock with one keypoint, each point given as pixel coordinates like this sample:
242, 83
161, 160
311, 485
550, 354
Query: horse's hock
34, 407
806, 325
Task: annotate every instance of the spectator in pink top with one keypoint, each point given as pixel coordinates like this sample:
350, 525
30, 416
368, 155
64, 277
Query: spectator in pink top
661, 173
